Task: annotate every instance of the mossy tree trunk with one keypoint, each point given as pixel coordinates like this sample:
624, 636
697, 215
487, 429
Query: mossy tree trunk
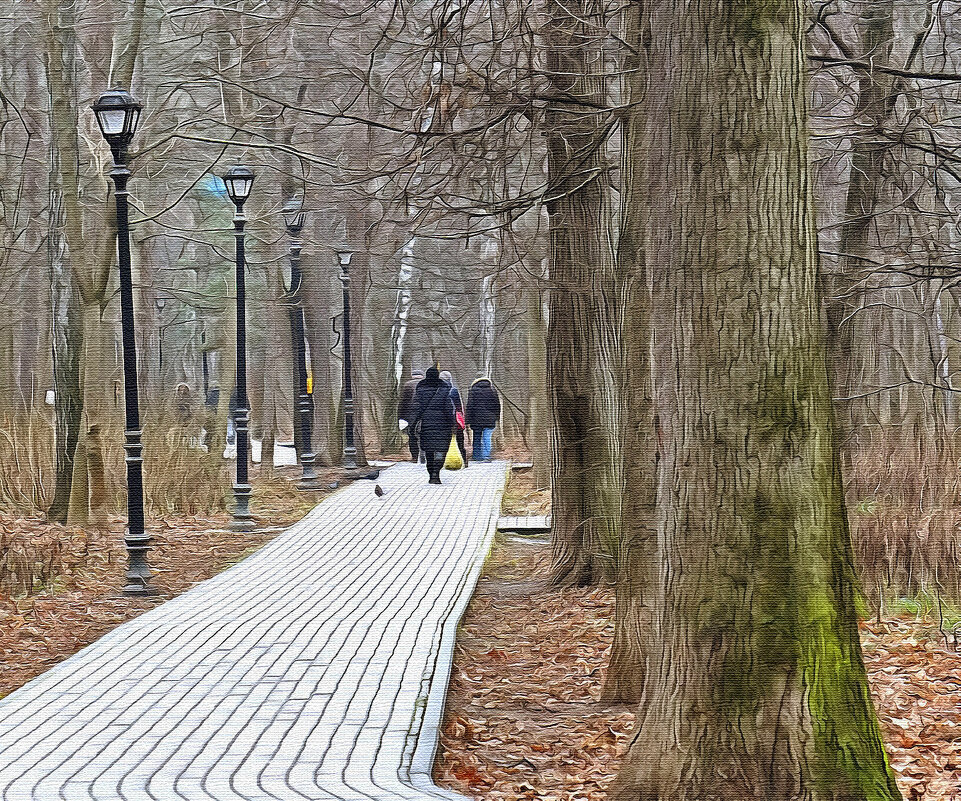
756, 688
398, 365
582, 331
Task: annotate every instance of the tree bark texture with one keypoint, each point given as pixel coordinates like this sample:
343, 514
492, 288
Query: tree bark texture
538, 421
320, 302
65, 325
847, 353
357, 227
757, 688
582, 333
638, 550
89, 261
392, 440
126, 46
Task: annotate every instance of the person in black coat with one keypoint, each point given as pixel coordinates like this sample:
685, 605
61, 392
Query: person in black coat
405, 410
434, 412
483, 412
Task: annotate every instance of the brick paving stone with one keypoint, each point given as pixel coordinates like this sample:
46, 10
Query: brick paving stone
314, 670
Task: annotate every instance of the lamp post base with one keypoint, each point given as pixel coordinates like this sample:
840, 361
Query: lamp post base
243, 520
138, 572
349, 461
309, 480
139, 591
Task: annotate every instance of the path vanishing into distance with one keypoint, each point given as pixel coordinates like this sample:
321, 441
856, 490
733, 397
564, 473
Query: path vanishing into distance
317, 668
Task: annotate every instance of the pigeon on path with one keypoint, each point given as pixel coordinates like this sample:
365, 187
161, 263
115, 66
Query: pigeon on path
378, 491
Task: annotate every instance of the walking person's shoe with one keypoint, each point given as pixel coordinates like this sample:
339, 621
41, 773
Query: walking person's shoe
434, 480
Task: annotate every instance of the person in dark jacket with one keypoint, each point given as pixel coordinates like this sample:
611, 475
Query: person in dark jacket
434, 412
448, 379
483, 412
406, 410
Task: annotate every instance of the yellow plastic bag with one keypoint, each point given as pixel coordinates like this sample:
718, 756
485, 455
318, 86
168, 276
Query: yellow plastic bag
453, 460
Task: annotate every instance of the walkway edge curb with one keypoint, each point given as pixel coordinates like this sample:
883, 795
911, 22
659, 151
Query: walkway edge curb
428, 737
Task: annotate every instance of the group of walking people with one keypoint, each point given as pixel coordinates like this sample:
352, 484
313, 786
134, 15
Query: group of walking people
433, 413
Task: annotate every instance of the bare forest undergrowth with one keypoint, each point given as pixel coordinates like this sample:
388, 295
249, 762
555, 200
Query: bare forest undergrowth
60, 585
523, 721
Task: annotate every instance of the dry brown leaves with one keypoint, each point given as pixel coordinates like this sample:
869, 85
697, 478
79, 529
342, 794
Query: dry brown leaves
916, 683
84, 601
523, 721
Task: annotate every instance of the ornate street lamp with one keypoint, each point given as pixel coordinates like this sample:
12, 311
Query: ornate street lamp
117, 115
239, 181
294, 217
350, 452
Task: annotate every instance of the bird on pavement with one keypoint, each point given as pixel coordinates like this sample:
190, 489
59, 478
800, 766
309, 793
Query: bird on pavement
378, 491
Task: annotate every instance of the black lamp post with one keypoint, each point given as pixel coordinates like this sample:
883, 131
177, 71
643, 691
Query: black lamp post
239, 181
117, 115
350, 452
294, 217
205, 367
160, 303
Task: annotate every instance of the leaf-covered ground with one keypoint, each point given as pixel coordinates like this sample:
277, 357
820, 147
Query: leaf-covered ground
84, 602
523, 721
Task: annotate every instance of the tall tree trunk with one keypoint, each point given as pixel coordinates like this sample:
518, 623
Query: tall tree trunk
538, 421
637, 575
582, 333
276, 373
318, 305
65, 339
875, 102
488, 309
126, 45
89, 496
757, 688
391, 439
358, 231
89, 265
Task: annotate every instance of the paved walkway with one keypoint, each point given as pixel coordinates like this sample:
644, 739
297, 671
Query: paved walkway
315, 669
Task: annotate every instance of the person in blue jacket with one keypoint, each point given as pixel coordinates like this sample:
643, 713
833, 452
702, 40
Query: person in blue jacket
483, 412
